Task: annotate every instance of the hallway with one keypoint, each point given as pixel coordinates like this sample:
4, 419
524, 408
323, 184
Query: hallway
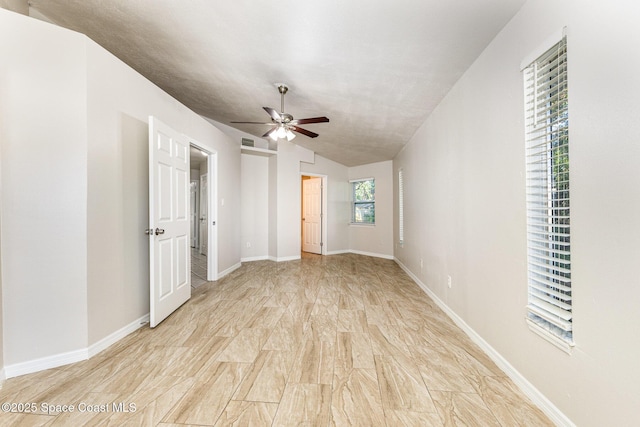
198, 269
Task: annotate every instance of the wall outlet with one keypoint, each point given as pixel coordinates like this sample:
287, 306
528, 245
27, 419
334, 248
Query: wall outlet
421, 264
449, 281
248, 244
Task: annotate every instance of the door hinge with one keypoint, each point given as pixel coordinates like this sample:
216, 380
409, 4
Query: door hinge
321, 244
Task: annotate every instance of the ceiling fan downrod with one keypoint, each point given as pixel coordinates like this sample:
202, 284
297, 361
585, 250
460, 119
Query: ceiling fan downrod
282, 88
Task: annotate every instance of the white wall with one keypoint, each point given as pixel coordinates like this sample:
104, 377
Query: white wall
376, 240
254, 203
44, 196
465, 206
75, 189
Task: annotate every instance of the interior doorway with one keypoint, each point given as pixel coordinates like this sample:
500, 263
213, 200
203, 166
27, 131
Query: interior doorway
199, 215
313, 214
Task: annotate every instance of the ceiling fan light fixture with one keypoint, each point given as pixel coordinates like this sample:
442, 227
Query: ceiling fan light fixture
283, 124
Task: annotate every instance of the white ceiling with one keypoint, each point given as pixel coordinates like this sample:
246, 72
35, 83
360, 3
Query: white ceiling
376, 68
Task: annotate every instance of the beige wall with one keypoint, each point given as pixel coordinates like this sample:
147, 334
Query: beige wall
120, 102
75, 191
465, 206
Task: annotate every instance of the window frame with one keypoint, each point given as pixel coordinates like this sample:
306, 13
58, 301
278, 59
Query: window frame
355, 202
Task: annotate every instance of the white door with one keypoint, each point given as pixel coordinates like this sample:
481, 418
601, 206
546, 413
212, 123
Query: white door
194, 211
168, 220
312, 215
204, 214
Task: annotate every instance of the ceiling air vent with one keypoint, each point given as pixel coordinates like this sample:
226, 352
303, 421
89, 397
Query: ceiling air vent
247, 142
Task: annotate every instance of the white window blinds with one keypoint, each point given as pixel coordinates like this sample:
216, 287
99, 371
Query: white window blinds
547, 177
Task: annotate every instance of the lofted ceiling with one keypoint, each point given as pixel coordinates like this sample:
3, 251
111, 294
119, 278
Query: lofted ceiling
376, 68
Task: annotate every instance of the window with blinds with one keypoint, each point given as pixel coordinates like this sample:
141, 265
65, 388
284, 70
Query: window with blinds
547, 176
400, 206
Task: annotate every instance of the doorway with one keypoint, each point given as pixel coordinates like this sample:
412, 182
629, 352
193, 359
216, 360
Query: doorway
199, 215
313, 214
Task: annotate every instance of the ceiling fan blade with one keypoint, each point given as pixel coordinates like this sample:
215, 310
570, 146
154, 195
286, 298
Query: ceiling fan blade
273, 113
269, 132
303, 131
252, 123
310, 120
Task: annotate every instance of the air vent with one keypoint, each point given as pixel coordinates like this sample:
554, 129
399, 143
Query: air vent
247, 142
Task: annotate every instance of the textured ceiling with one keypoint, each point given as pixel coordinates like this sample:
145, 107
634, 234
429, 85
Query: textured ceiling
376, 68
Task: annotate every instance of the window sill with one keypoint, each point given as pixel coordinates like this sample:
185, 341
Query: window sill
361, 224
563, 345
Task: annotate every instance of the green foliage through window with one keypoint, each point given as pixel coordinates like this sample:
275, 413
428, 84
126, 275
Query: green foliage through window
363, 196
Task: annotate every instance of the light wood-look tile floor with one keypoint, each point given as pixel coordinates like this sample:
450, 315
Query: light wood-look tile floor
343, 340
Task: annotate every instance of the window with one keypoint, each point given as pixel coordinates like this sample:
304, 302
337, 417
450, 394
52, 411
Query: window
363, 195
549, 310
401, 206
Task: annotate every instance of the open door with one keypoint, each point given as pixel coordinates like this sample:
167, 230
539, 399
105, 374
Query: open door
168, 221
312, 215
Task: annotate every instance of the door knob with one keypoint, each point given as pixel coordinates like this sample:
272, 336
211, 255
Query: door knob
159, 231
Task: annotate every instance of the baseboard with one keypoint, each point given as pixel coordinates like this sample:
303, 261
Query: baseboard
229, 270
48, 362
288, 258
539, 399
254, 258
297, 257
67, 358
105, 342
372, 254
2, 378
345, 251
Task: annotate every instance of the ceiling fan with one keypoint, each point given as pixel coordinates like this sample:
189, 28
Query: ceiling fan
283, 124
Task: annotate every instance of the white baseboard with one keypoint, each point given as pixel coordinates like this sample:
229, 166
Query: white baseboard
229, 270
288, 258
297, 257
105, 342
48, 362
373, 254
67, 358
254, 258
345, 251
527, 388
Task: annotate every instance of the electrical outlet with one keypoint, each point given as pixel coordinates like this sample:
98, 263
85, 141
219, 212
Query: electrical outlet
248, 244
421, 264
449, 281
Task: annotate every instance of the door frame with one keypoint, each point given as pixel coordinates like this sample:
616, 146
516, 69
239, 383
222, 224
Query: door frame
212, 197
197, 210
325, 180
